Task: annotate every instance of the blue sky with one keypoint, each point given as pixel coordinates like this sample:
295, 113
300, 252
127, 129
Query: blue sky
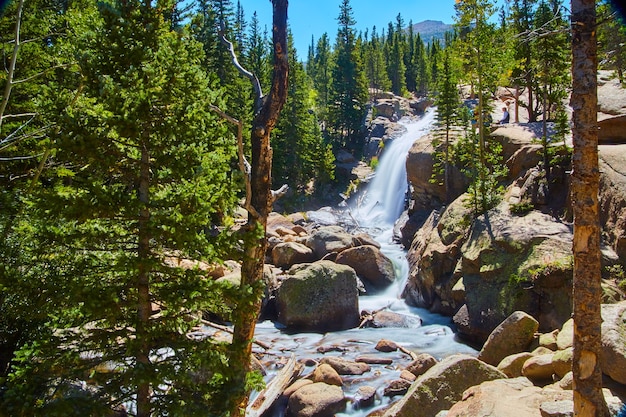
314, 17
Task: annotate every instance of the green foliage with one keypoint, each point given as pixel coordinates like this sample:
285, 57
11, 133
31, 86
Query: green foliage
611, 38
522, 208
349, 93
140, 178
297, 140
486, 173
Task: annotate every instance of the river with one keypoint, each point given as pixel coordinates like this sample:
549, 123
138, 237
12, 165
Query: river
375, 212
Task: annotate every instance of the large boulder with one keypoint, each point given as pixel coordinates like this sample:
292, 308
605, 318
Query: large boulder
613, 357
442, 386
329, 239
511, 336
516, 397
515, 263
316, 400
320, 297
286, 254
371, 265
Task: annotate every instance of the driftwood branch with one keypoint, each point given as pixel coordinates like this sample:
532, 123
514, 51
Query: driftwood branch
256, 84
274, 389
276, 194
244, 166
11, 71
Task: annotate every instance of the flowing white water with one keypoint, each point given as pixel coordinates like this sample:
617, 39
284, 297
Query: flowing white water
386, 194
379, 208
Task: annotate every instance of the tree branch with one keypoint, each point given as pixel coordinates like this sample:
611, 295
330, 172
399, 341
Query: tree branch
11, 71
244, 166
256, 84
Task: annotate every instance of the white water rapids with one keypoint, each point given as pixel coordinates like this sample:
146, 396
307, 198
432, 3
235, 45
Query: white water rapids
379, 208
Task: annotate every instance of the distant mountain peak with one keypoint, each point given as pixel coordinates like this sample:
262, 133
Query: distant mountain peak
431, 29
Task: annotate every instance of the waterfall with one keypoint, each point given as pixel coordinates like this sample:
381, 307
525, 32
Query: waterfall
385, 196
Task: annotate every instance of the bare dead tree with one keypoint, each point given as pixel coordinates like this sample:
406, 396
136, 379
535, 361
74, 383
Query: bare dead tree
259, 201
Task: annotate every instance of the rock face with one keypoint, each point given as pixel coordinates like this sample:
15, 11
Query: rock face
522, 399
419, 166
511, 336
612, 198
442, 386
373, 267
433, 259
320, 297
613, 357
514, 263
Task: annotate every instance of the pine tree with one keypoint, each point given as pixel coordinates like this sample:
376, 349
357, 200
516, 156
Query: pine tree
375, 64
447, 102
297, 140
612, 38
486, 71
140, 180
349, 86
322, 78
551, 47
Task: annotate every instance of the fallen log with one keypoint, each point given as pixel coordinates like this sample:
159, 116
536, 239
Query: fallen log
274, 388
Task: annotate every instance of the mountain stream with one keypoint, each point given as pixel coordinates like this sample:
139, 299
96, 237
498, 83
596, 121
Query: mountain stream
375, 212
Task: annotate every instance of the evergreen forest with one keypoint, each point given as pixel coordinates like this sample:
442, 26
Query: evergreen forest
124, 125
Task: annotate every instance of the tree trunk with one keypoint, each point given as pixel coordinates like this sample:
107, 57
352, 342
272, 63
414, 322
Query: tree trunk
261, 202
588, 398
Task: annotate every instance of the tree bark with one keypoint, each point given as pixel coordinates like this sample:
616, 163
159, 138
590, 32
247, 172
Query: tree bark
588, 398
261, 201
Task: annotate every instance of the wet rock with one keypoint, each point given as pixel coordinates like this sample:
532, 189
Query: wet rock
407, 375
316, 400
365, 239
329, 239
390, 319
442, 386
513, 335
421, 364
325, 373
373, 267
345, 366
365, 397
613, 355
397, 387
286, 254
321, 296
374, 360
385, 345
296, 386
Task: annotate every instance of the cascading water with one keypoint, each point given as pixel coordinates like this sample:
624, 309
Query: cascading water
386, 195
375, 213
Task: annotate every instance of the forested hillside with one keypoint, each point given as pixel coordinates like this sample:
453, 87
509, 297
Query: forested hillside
120, 172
